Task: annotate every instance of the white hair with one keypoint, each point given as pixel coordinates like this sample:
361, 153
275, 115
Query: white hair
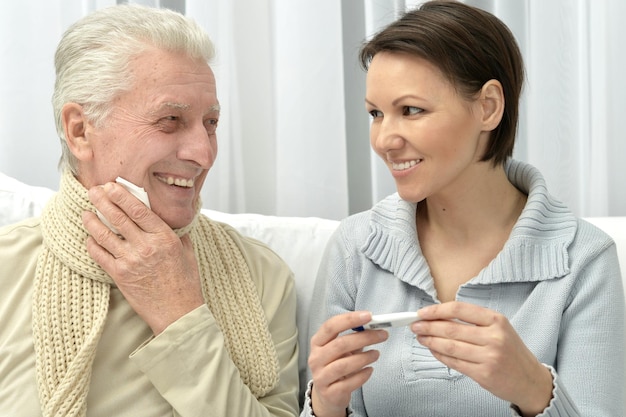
92, 59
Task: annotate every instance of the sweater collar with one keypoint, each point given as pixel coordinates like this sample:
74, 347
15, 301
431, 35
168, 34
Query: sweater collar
535, 251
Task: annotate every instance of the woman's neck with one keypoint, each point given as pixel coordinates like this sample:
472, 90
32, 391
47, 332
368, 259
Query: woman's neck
488, 203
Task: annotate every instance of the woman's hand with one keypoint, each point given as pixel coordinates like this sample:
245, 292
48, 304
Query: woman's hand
483, 345
339, 364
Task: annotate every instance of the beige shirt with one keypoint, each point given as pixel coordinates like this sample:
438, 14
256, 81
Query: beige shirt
184, 371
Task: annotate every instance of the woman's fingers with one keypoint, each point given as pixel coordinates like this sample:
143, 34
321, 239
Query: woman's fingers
331, 328
327, 346
459, 311
339, 361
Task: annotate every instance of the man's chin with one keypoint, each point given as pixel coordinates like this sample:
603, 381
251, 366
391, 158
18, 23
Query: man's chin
178, 219
178, 215
180, 223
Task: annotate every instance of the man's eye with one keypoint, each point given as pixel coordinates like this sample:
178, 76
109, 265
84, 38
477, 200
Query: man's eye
168, 120
410, 110
168, 123
376, 113
210, 125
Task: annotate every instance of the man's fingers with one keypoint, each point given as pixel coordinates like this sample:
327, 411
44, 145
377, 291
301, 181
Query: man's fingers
101, 235
123, 210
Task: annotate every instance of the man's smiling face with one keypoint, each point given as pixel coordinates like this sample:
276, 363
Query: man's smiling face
160, 135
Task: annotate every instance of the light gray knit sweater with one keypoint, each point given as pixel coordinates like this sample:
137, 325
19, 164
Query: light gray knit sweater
557, 279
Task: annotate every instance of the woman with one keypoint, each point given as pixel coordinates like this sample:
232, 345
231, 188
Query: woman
521, 303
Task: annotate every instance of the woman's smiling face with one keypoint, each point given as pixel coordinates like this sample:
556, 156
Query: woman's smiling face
427, 134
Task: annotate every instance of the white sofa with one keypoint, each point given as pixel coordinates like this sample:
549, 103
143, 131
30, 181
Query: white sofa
299, 241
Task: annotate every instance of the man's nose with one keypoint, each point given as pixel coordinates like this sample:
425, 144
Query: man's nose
198, 146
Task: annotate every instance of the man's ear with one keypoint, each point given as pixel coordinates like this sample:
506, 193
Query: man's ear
76, 126
492, 104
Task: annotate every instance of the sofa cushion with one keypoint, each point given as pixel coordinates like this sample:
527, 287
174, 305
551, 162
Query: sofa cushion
19, 201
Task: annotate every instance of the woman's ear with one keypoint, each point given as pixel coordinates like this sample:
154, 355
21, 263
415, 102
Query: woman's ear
492, 104
75, 126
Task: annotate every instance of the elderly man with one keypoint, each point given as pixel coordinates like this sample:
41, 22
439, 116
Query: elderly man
150, 309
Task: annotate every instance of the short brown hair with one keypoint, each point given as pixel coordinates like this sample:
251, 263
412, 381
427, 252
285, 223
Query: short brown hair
470, 47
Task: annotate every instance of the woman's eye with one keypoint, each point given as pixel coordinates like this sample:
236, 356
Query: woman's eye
410, 110
375, 113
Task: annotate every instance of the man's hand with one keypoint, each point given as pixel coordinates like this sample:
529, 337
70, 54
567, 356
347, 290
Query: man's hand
155, 270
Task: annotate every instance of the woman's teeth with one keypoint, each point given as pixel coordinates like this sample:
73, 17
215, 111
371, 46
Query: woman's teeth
404, 165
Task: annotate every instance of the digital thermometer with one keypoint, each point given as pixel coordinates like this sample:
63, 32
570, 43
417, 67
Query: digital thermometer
383, 321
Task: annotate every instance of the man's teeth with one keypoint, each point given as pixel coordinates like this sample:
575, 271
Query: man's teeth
181, 182
404, 165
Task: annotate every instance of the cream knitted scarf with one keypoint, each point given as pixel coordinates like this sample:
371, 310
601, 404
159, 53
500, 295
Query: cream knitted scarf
71, 299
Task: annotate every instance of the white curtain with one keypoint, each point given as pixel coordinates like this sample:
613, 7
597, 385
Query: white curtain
293, 133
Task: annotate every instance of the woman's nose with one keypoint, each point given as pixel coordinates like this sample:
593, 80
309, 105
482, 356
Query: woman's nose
386, 136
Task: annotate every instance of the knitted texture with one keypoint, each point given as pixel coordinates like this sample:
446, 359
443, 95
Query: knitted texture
71, 299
